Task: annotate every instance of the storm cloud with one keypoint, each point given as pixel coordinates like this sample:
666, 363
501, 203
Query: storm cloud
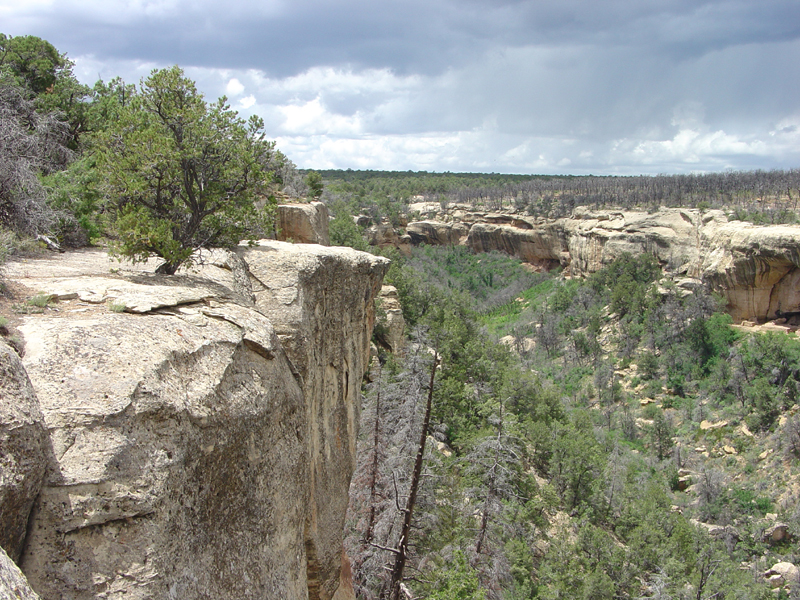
535, 86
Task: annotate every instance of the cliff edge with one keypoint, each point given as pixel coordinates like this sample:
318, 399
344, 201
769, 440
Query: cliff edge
201, 428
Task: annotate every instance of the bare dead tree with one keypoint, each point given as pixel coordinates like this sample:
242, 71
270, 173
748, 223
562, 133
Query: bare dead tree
390, 420
392, 591
30, 144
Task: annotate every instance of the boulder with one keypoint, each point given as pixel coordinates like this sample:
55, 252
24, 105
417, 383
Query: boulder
719, 532
777, 533
383, 235
202, 444
304, 223
23, 450
783, 573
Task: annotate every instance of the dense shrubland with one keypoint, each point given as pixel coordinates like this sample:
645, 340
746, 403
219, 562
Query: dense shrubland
570, 461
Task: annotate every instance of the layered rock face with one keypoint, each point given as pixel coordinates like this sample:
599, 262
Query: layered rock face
393, 324
754, 267
201, 442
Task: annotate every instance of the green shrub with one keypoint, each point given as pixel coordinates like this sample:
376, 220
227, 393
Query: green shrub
116, 307
40, 300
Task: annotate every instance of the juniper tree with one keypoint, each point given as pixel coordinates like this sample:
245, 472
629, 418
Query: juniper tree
181, 174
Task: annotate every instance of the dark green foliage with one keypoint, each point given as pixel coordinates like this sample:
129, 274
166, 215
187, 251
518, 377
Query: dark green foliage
33, 62
577, 461
628, 280
179, 174
35, 65
457, 582
662, 435
76, 190
314, 183
648, 365
343, 230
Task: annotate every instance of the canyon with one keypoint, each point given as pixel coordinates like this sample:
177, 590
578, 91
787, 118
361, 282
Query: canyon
194, 436
754, 268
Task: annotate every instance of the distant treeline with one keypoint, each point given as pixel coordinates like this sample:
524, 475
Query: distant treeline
760, 196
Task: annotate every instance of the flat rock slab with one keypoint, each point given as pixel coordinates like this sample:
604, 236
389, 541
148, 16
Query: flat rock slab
138, 294
92, 261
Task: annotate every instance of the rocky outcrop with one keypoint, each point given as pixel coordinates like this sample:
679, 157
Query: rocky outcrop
541, 245
384, 235
755, 268
321, 305
23, 447
202, 440
433, 232
304, 223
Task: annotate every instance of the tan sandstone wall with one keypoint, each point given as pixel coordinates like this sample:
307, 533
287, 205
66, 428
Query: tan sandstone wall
200, 443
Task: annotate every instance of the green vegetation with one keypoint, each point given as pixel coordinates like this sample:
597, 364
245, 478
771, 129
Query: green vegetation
559, 471
149, 170
182, 174
116, 307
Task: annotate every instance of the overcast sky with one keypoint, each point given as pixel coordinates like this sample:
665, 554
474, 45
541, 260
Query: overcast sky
529, 86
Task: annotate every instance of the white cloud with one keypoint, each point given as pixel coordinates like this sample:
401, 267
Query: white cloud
234, 88
247, 102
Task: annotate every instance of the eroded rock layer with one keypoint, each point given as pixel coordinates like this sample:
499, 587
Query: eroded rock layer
756, 268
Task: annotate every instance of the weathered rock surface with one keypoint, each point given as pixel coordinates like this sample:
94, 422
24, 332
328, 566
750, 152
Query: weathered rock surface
321, 304
756, 268
23, 448
392, 332
304, 223
437, 233
776, 534
13, 585
203, 446
384, 235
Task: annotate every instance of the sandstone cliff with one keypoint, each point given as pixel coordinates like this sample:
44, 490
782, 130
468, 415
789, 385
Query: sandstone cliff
200, 442
756, 268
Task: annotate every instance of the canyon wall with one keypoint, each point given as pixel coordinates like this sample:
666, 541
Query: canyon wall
755, 268
200, 428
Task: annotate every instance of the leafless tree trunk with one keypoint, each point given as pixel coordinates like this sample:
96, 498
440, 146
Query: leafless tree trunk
401, 552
